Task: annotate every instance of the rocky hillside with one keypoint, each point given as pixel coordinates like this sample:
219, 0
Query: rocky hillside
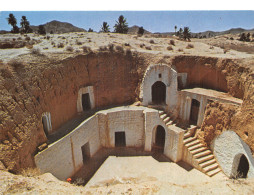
59, 27
134, 30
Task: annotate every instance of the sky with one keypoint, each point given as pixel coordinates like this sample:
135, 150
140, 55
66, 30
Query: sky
153, 21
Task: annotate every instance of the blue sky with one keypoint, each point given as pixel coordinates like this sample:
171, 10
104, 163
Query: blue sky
153, 21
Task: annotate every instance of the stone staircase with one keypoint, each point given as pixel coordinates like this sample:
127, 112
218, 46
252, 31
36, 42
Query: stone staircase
165, 117
194, 152
198, 155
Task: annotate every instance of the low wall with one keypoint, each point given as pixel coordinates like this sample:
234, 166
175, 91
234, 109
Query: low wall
64, 157
227, 147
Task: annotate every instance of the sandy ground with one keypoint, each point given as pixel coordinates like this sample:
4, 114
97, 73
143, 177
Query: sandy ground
201, 47
116, 176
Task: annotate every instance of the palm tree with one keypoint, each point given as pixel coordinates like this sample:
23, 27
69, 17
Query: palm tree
25, 25
13, 22
121, 25
105, 27
186, 33
175, 29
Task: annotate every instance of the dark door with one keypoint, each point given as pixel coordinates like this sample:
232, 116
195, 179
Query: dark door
243, 167
85, 152
86, 101
120, 140
158, 93
194, 111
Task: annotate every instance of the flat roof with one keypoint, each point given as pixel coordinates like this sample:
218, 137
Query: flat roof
214, 95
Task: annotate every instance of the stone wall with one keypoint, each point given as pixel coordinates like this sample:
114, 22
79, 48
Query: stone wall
64, 157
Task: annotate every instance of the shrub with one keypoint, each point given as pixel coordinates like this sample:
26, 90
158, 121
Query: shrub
48, 37
119, 48
151, 41
69, 48
180, 50
103, 48
35, 51
189, 46
211, 47
127, 44
169, 48
148, 48
142, 45
16, 64
30, 172
86, 49
78, 42
172, 42
111, 47
60, 45
27, 38
231, 38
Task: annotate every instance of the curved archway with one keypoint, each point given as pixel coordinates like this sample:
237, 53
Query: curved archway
159, 93
240, 166
160, 138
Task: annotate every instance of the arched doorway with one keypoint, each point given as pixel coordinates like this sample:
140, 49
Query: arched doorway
243, 167
159, 93
195, 104
160, 136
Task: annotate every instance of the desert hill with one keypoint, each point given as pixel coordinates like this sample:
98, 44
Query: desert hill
59, 27
134, 30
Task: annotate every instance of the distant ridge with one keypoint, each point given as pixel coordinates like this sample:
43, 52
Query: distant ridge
134, 30
59, 27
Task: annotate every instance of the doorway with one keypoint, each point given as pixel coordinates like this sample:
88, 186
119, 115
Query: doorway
86, 152
243, 167
195, 104
86, 104
120, 139
159, 93
160, 135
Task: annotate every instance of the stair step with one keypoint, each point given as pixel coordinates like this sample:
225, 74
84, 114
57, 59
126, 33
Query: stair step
194, 142
211, 167
169, 123
165, 120
163, 116
187, 134
196, 146
192, 127
198, 150
161, 112
213, 172
201, 154
206, 163
189, 139
205, 158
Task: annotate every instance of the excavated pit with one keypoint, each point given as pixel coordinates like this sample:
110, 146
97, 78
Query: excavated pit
52, 86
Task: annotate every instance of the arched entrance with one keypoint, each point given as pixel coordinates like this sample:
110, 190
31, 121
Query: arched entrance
243, 167
160, 136
159, 93
195, 104
240, 166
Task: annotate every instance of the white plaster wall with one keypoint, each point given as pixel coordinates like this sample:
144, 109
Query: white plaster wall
84, 90
129, 121
228, 145
64, 157
168, 77
173, 136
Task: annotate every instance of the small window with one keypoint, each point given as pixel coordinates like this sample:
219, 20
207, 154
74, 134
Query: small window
160, 75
